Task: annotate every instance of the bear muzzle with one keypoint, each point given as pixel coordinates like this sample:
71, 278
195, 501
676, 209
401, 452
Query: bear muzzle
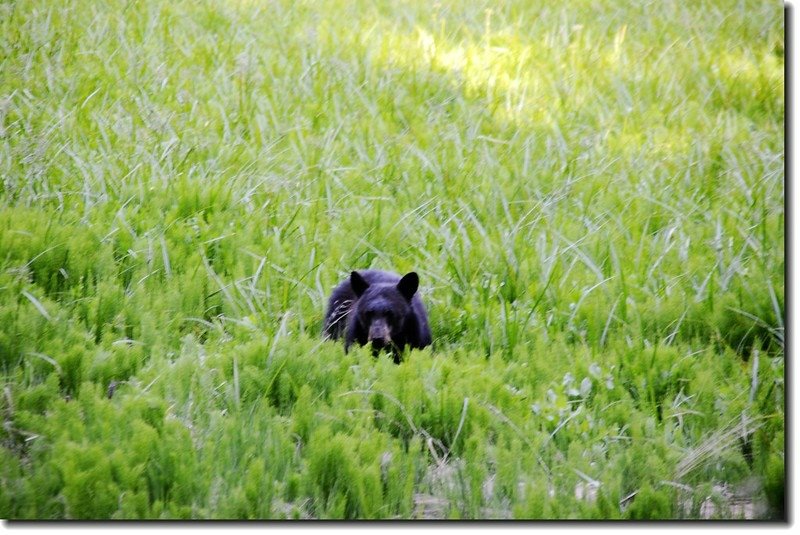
379, 334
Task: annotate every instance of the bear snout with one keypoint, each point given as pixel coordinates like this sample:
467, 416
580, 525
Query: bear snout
379, 334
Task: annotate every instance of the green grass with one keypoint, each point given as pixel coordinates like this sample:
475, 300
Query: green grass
592, 194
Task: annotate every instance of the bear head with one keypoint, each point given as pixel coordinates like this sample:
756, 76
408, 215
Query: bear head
382, 308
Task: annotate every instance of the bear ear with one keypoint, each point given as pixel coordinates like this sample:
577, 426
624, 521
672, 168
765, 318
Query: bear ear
408, 285
358, 283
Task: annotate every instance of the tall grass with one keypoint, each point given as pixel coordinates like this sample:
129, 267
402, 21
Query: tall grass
592, 194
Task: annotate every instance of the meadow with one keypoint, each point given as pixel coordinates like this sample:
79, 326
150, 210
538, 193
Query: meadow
592, 194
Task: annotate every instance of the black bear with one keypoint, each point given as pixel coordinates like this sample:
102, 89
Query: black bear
379, 308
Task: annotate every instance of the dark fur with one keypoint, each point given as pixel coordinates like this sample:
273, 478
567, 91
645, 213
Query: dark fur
379, 308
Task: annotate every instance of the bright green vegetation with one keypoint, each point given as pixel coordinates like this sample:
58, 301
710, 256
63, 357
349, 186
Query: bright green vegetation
592, 194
